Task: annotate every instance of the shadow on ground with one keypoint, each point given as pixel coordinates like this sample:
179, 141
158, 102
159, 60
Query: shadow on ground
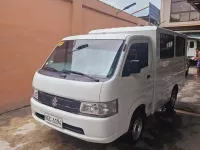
160, 134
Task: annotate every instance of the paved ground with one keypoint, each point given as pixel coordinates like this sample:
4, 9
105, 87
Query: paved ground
189, 98
19, 131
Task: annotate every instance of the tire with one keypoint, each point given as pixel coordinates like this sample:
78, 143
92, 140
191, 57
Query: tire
186, 73
136, 127
171, 104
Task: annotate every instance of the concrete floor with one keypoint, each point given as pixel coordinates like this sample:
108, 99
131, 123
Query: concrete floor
19, 131
189, 97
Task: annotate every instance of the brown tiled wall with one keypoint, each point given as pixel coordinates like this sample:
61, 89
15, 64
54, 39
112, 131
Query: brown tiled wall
29, 30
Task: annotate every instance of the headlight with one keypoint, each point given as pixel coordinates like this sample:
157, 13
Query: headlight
99, 109
35, 94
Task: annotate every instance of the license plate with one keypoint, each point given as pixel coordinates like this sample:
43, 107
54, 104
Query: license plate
53, 120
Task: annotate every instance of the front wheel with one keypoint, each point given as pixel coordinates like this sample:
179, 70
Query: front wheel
136, 127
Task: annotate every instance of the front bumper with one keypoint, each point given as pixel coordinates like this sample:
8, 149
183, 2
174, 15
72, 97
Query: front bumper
97, 130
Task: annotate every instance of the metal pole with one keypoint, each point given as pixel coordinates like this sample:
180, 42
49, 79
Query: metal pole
140, 10
127, 7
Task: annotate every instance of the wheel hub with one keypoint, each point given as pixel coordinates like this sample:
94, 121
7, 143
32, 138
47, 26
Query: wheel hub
137, 128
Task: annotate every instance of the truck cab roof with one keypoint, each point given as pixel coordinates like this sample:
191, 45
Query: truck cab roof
123, 29
112, 33
121, 36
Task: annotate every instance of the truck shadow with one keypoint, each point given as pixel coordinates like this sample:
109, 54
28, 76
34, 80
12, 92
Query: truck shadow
160, 134
157, 134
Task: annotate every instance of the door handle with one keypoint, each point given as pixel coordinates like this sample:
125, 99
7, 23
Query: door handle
148, 76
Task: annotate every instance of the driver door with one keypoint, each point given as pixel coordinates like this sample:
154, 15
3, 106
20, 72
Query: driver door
138, 87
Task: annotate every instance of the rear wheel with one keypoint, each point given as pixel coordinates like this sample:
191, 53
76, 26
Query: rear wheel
168, 112
186, 72
171, 104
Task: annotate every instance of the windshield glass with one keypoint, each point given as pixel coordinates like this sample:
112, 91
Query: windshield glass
91, 57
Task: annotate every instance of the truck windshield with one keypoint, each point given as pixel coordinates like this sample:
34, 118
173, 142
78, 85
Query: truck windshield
90, 57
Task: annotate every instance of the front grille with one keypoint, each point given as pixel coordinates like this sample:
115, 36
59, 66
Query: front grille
65, 126
61, 103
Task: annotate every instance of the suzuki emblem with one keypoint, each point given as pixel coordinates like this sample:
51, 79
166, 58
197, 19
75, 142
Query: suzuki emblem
54, 102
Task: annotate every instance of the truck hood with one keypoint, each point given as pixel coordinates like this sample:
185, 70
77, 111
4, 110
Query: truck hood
77, 90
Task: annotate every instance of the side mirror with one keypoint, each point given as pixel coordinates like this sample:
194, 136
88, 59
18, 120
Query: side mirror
134, 66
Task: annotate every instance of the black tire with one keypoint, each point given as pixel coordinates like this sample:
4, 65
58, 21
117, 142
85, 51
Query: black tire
186, 73
171, 104
137, 124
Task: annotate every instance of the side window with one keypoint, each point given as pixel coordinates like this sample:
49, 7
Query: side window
180, 46
141, 53
166, 46
191, 44
138, 51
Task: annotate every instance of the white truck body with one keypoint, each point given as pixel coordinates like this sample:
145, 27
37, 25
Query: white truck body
191, 48
150, 88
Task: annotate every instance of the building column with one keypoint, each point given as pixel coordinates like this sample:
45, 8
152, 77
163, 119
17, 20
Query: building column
76, 25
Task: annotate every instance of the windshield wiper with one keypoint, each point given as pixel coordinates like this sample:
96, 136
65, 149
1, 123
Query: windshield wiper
80, 73
80, 48
50, 69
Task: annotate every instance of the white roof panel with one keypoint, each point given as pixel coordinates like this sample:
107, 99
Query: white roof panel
123, 29
97, 36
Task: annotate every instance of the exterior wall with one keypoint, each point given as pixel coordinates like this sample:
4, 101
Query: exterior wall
96, 14
165, 17
165, 11
108, 21
29, 30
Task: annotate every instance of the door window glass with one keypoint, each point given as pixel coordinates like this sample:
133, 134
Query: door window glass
192, 44
138, 51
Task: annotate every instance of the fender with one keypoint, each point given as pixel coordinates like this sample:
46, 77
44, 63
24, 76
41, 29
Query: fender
140, 101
